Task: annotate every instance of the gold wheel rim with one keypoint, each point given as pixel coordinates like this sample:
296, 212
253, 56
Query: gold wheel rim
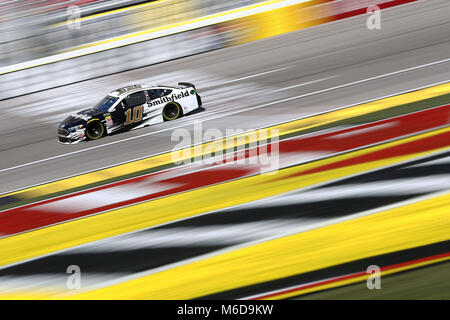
174, 117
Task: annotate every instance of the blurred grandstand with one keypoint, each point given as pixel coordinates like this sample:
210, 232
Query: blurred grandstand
36, 29
47, 44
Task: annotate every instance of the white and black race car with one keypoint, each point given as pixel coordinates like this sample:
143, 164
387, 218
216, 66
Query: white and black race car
129, 108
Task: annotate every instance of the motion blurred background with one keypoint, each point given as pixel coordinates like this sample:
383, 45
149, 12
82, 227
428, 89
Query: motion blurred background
45, 44
33, 30
363, 122
36, 29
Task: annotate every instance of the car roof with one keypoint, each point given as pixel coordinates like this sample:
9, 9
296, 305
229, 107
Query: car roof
124, 91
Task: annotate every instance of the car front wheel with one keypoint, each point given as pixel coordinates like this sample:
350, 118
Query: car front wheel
95, 129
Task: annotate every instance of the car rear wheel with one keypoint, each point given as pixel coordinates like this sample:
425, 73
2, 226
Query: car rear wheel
95, 130
172, 111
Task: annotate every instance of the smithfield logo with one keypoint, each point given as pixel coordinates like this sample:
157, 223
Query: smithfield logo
170, 98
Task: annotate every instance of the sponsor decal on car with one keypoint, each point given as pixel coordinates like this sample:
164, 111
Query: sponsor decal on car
115, 115
170, 98
80, 133
108, 119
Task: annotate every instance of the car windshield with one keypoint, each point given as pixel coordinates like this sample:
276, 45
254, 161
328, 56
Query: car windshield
105, 103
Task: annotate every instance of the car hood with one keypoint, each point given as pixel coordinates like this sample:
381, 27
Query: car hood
88, 113
79, 118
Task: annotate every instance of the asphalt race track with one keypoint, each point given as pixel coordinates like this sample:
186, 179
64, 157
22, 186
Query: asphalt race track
364, 184
246, 87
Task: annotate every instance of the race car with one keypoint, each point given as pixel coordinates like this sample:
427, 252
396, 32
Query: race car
130, 107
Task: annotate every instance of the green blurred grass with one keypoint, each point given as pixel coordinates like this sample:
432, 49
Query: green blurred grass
428, 283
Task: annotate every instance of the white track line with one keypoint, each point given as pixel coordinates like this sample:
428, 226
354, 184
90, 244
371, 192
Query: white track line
331, 221
244, 110
254, 75
302, 84
235, 112
136, 37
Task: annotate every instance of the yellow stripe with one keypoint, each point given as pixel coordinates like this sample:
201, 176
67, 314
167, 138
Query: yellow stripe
354, 280
45, 294
163, 210
152, 4
398, 229
283, 129
174, 25
319, 234
363, 109
280, 21
102, 14
153, 30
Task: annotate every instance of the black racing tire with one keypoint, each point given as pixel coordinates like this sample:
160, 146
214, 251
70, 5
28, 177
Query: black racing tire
95, 129
172, 111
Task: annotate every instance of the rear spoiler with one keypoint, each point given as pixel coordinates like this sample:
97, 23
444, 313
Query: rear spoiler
186, 84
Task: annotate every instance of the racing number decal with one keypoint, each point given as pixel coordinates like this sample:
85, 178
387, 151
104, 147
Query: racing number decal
137, 115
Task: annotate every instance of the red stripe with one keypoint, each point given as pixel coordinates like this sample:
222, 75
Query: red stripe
30, 216
380, 131
352, 275
361, 11
417, 146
